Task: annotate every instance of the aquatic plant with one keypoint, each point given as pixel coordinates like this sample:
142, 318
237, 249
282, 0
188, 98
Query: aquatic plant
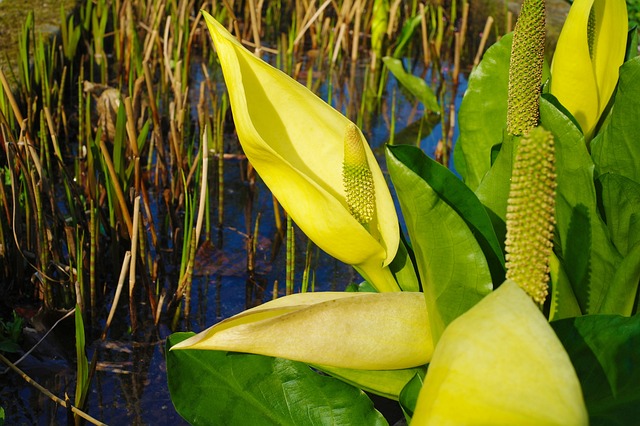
496, 354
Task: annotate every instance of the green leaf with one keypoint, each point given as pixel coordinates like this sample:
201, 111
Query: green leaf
119, 142
605, 351
621, 209
403, 267
616, 149
563, 299
451, 262
493, 191
586, 251
407, 32
410, 393
414, 84
82, 377
214, 387
9, 346
386, 383
483, 112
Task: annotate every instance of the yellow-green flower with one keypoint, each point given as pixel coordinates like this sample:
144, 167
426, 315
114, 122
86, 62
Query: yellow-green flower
310, 156
590, 49
365, 331
500, 363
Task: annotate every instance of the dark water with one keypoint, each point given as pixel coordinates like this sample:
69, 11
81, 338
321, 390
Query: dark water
130, 383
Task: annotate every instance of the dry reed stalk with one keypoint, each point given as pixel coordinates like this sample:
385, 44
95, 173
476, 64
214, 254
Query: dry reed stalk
116, 185
155, 115
229, 7
53, 134
456, 60
203, 185
425, 37
255, 28
123, 274
158, 311
23, 123
166, 54
154, 29
9, 94
336, 49
192, 33
393, 13
134, 258
483, 40
50, 395
311, 21
358, 9
133, 142
464, 25
147, 210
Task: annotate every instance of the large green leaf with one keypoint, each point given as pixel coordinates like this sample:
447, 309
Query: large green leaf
621, 209
414, 84
620, 201
587, 253
214, 387
483, 112
605, 351
616, 148
451, 262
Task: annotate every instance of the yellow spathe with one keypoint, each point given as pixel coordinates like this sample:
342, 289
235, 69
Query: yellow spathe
583, 77
500, 363
296, 142
368, 331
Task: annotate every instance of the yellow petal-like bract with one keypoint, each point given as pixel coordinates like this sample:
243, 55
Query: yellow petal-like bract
296, 142
369, 331
500, 363
584, 71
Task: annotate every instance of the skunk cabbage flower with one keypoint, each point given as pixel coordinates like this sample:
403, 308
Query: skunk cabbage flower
500, 363
590, 49
314, 160
368, 331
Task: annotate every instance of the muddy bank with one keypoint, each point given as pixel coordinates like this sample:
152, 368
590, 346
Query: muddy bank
12, 17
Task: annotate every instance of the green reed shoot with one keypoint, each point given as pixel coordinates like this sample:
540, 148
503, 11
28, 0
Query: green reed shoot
291, 257
70, 34
82, 365
25, 43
